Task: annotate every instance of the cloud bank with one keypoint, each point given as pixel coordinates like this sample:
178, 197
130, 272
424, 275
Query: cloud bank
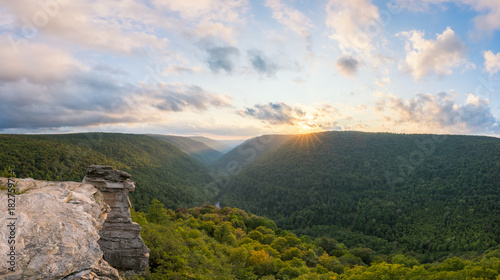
42, 86
320, 117
440, 112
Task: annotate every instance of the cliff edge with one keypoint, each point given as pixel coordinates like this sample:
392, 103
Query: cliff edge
61, 230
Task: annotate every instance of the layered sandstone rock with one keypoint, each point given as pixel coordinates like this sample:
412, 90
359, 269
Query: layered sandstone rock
70, 230
56, 231
120, 237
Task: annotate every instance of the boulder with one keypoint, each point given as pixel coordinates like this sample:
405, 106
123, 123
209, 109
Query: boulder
56, 229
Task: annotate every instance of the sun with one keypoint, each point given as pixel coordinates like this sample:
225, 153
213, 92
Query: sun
308, 123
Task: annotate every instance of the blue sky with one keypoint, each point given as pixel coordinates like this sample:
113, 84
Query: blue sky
236, 69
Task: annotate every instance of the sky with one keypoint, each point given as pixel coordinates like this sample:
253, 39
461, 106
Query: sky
233, 69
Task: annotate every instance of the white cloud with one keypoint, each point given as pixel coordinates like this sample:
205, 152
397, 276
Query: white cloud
492, 62
36, 62
209, 29
437, 113
292, 19
207, 19
439, 56
119, 26
351, 23
177, 97
490, 21
128, 26
475, 100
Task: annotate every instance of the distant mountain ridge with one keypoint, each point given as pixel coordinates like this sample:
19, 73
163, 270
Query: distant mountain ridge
196, 149
222, 146
250, 150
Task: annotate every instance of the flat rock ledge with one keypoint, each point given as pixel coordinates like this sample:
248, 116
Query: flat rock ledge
56, 232
71, 230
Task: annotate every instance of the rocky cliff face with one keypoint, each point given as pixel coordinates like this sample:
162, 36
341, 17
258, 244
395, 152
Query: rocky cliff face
59, 230
120, 237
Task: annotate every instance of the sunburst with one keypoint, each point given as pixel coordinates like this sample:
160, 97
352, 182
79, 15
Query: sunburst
308, 141
308, 124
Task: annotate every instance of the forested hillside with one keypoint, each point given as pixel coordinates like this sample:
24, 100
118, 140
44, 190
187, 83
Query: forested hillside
207, 243
426, 195
159, 169
432, 195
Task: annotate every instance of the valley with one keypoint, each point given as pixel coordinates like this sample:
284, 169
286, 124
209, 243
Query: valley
428, 197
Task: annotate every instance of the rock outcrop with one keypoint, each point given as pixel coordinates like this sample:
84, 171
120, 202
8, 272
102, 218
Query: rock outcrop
120, 237
56, 228
70, 230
